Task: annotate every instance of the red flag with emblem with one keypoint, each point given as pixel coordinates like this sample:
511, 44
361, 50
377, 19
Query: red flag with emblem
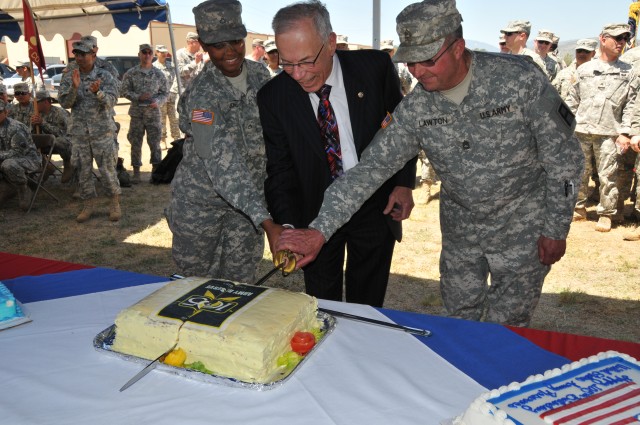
32, 38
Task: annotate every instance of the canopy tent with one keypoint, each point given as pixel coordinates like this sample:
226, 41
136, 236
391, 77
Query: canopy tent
67, 17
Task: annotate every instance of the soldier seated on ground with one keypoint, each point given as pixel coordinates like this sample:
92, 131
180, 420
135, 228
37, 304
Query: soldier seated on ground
18, 156
54, 120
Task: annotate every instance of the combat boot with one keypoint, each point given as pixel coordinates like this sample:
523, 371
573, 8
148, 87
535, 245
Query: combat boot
87, 210
136, 175
24, 196
604, 224
633, 235
580, 214
67, 172
114, 212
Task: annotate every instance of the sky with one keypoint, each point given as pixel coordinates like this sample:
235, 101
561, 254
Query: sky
482, 19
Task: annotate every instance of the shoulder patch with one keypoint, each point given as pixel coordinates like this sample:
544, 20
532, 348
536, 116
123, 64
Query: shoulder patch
566, 114
202, 116
386, 121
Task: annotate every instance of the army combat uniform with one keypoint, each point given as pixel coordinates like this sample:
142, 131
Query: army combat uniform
187, 67
217, 202
136, 82
92, 128
603, 99
506, 157
564, 80
168, 109
18, 154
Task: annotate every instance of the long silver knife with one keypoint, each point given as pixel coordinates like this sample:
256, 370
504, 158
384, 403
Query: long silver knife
148, 368
408, 329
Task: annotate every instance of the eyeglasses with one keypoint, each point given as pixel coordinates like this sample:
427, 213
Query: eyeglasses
432, 62
20, 93
225, 44
510, 33
584, 51
542, 42
289, 67
146, 52
81, 54
619, 38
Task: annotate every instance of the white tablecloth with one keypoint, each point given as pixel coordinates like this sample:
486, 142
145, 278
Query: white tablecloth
361, 374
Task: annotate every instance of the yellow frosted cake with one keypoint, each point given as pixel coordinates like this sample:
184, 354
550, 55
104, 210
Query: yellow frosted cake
232, 330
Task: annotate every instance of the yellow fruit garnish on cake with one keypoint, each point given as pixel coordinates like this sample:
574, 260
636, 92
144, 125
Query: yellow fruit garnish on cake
176, 358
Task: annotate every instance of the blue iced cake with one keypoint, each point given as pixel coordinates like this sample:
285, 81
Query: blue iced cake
8, 306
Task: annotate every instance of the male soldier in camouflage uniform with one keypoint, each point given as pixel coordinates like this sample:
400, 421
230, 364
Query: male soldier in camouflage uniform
501, 141
168, 109
99, 63
22, 107
516, 35
553, 53
54, 120
145, 86
217, 205
542, 46
585, 51
603, 99
91, 92
189, 60
18, 156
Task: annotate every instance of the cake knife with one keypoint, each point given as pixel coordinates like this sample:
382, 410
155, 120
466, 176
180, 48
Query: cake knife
408, 329
148, 368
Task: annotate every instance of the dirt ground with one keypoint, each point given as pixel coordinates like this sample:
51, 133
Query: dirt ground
594, 290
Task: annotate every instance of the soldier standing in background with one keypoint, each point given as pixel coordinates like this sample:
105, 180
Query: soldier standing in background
553, 53
18, 156
516, 35
145, 86
585, 51
502, 44
500, 139
542, 46
603, 99
257, 51
168, 109
91, 93
189, 60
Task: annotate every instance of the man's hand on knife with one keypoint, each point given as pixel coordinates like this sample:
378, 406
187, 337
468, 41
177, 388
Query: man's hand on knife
303, 242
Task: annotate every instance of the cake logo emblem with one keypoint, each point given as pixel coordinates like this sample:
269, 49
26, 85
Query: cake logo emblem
211, 303
208, 302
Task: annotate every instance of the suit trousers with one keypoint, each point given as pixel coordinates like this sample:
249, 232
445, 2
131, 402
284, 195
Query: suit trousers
368, 243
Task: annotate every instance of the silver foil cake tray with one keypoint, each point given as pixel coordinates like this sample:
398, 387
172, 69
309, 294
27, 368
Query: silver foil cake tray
103, 342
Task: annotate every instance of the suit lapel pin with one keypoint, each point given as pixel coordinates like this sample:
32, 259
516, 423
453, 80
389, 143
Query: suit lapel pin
360, 94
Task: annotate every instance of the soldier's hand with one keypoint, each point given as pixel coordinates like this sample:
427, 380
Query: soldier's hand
75, 78
95, 86
623, 142
550, 250
36, 119
305, 242
400, 203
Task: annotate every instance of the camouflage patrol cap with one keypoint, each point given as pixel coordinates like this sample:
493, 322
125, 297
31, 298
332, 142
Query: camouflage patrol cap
518, 26
89, 39
616, 29
82, 46
3, 105
219, 20
43, 94
145, 46
161, 48
23, 87
545, 35
270, 46
342, 39
258, 42
587, 44
387, 45
192, 35
23, 63
555, 39
422, 28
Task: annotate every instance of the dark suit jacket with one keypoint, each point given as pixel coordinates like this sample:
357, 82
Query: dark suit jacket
297, 170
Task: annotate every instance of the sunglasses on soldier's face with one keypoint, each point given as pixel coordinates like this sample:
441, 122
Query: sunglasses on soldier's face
20, 93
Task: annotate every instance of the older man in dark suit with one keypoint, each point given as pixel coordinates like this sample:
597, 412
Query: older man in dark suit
317, 117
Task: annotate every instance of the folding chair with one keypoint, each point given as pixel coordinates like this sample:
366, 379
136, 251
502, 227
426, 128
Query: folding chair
45, 144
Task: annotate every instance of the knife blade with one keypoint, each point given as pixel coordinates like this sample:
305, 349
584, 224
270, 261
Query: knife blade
148, 368
408, 329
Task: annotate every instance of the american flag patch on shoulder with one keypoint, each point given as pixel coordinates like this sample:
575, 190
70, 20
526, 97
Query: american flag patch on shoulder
202, 117
386, 121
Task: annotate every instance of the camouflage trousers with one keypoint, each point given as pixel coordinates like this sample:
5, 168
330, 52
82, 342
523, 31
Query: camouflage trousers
88, 148
607, 158
149, 122
63, 148
214, 240
636, 205
626, 167
14, 170
168, 110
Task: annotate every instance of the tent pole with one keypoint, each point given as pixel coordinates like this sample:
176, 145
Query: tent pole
173, 51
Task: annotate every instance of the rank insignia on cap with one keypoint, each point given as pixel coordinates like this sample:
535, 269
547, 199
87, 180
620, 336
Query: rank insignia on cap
202, 117
386, 121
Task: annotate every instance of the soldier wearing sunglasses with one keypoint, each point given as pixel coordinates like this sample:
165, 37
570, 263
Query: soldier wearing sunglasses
603, 100
516, 35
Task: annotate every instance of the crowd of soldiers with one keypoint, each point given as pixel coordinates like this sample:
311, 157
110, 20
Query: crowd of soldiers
599, 86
